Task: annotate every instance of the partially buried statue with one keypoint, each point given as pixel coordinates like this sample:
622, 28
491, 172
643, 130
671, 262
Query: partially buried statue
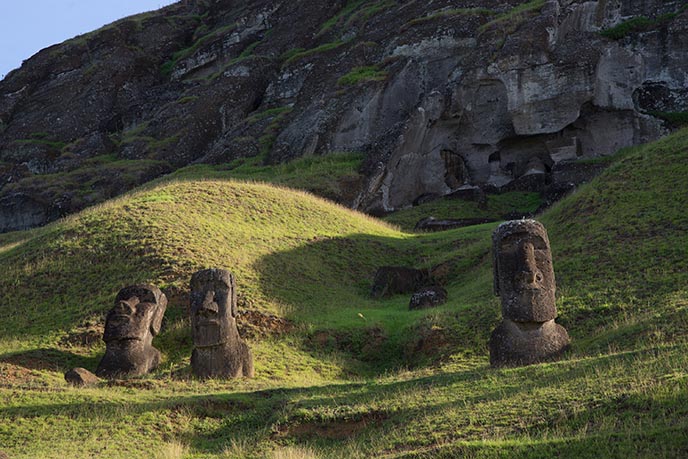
219, 351
129, 330
524, 279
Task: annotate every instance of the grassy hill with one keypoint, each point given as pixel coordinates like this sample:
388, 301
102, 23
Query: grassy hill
339, 374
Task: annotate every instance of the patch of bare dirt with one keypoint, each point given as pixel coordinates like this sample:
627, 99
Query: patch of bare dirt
32, 360
84, 336
255, 324
335, 430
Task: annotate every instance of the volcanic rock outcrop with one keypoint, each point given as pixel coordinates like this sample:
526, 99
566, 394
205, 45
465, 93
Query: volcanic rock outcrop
439, 96
524, 280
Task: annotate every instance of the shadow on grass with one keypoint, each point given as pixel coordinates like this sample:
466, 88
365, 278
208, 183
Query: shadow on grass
326, 285
50, 360
467, 404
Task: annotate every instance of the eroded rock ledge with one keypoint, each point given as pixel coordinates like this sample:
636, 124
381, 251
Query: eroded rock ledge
439, 95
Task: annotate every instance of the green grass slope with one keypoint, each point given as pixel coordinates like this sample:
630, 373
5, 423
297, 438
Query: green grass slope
354, 377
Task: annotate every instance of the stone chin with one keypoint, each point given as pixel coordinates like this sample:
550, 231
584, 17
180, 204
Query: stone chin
528, 297
208, 334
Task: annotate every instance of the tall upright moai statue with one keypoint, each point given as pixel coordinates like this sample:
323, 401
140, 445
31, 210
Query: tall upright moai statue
524, 280
219, 351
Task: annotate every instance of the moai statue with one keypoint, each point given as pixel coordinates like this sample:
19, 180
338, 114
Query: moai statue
524, 279
219, 351
129, 330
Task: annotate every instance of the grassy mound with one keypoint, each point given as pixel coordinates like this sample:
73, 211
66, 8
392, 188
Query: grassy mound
355, 377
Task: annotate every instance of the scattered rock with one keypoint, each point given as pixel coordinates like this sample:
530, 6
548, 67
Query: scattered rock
428, 297
392, 280
80, 377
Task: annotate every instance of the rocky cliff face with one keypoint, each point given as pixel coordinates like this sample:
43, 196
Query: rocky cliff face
439, 95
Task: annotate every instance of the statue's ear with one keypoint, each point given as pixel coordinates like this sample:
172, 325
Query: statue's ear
158, 313
233, 296
495, 269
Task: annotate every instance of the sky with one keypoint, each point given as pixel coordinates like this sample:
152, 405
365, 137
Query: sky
27, 26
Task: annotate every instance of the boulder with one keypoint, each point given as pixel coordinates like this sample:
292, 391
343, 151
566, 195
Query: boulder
428, 297
80, 377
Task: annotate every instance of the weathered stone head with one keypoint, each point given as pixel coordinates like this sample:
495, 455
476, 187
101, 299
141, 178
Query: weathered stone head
524, 279
129, 330
219, 350
213, 307
523, 273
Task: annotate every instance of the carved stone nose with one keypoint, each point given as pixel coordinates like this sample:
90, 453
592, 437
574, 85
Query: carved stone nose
529, 271
209, 303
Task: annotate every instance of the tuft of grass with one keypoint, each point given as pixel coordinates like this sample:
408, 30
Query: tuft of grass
270, 112
173, 450
450, 12
364, 14
675, 118
632, 25
299, 53
270, 132
41, 138
361, 75
349, 8
639, 24
186, 99
293, 452
169, 65
515, 16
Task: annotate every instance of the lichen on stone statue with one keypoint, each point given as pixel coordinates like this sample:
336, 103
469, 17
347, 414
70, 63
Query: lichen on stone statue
219, 351
524, 280
129, 330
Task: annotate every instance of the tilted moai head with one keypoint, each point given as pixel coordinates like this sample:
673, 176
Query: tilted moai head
219, 350
213, 307
523, 273
129, 330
